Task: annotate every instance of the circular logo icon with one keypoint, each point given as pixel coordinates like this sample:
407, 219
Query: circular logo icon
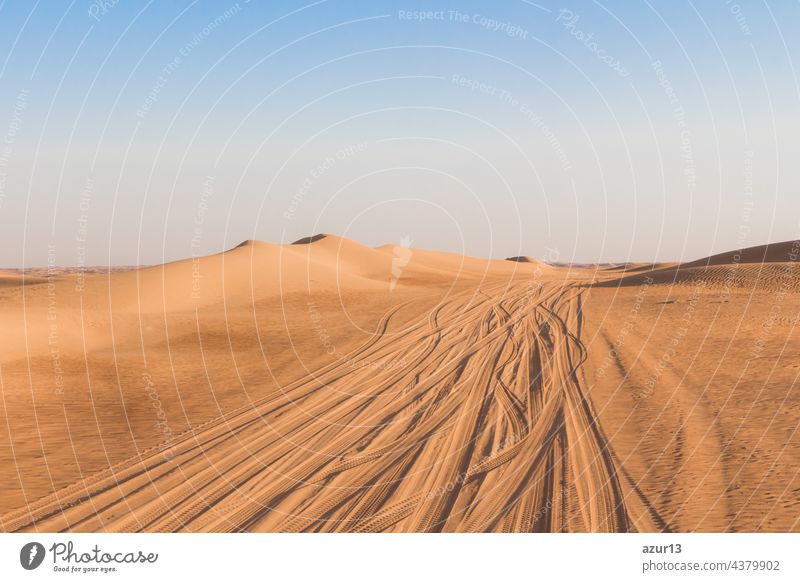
31, 555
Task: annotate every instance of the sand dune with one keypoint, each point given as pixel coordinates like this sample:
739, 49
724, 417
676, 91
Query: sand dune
329, 386
522, 259
784, 252
694, 370
767, 267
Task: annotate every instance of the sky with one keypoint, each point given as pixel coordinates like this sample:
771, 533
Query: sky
144, 132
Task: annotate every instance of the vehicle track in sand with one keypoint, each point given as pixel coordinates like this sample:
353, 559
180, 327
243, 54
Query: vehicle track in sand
473, 419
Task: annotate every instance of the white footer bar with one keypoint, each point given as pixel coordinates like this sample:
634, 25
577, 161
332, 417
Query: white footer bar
388, 557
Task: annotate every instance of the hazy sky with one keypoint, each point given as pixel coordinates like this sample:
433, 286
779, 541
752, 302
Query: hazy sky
134, 132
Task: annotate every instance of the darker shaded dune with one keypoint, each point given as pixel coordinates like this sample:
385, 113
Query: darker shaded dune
768, 267
309, 239
782, 252
522, 259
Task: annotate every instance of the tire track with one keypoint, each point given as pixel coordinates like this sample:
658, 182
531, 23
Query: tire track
486, 428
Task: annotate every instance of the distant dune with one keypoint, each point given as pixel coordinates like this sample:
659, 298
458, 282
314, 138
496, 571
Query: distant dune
522, 259
309, 239
767, 266
784, 252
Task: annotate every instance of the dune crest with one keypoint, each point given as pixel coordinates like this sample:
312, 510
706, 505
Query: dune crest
310, 239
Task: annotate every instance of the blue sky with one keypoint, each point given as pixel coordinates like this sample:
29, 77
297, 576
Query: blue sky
138, 132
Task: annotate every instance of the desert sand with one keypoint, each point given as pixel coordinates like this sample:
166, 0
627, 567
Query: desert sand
333, 387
